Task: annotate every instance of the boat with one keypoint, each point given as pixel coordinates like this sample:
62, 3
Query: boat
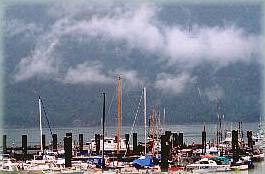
244, 163
206, 165
112, 144
8, 164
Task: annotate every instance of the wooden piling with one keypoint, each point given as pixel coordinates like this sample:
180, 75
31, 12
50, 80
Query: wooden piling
24, 147
68, 151
81, 142
43, 142
235, 146
4, 144
135, 143
97, 141
181, 140
203, 142
164, 153
127, 136
54, 142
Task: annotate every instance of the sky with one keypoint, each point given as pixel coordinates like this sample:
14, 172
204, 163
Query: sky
157, 45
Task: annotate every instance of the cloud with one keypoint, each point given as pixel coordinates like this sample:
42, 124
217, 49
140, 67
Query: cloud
16, 27
134, 26
41, 63
222, 45
44, 60
173, 84
214, 93
92, 73
131, 77
140, 27
87, 73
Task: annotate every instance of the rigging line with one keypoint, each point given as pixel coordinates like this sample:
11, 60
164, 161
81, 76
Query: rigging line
134, 121
45, 114
108, 112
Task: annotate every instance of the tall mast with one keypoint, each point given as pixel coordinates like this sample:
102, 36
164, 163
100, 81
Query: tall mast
164, 118
119, 114
153, 132
103, 131
41, 147
144, 120
219, 123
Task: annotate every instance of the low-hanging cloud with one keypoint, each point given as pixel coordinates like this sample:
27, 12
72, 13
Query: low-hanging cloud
173, 84
13, 28
131, 77
214, 93
86, 73
41, 63
139, 26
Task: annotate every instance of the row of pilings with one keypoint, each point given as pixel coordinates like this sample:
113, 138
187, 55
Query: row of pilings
170, 142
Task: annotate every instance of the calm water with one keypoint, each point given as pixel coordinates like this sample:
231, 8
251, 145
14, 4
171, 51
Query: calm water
192, 133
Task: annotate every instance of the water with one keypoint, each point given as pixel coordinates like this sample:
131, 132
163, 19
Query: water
192, 134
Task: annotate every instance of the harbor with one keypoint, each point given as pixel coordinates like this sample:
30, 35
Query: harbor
192, 135
133, 87
224, 148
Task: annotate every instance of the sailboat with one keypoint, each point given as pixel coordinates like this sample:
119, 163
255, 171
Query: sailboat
113, 145
147, 160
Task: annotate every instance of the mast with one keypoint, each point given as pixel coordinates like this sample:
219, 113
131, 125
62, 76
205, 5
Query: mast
153, 132
164, 118
103, 131
219, 122
41, 147
144, 120
119, 114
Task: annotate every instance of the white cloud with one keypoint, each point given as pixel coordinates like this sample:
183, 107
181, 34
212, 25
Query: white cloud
131, 77
140, 27
86, 73
40, 63
173, 84
214, 93
17, 27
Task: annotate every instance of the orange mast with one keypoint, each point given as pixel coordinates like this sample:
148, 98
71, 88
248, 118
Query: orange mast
119, 114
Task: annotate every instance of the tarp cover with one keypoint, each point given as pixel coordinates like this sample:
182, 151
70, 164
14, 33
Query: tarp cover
145, 161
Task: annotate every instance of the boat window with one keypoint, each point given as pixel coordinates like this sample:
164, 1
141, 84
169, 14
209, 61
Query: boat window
39, 158
218, 162
204, 162
109, 141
